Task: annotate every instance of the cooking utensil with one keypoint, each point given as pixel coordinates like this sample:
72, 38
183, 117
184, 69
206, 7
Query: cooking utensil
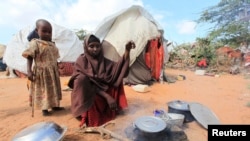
43, 131
180, 107
174, 120
203, 114
150, 124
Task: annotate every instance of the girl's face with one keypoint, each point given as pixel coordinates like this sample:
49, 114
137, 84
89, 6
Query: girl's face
94, 49
44, 31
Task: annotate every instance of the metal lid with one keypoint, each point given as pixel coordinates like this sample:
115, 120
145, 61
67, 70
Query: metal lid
203, 114
179, 105
150, 124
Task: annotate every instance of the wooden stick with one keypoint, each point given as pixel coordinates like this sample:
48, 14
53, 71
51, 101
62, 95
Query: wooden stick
32, 97
32, 106
104, 132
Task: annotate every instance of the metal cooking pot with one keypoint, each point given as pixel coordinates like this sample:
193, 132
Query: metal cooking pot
180, 107
43, 131
150, 124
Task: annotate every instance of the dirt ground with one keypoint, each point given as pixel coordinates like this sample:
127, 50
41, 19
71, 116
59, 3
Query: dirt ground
228, 96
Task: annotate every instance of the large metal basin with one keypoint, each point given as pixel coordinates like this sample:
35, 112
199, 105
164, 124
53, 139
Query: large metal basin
43, 131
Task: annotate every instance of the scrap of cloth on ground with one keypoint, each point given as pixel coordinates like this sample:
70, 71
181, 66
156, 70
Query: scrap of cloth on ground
94, 74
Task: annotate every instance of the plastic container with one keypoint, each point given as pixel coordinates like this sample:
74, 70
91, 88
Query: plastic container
141, 88
175, 120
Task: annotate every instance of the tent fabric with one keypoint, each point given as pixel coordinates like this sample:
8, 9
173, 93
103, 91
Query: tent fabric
19, 74
2, 50
66, 68
2, 65
69, 45
136, 24
139, 72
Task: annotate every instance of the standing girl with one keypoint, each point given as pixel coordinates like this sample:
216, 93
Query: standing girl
44, 75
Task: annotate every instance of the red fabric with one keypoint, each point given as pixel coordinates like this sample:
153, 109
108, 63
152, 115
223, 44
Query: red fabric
154, 57
202, 63
94, 115
66, 68
147, 59
159, 61
20, 74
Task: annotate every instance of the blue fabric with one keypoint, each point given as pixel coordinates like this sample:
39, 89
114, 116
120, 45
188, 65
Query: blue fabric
2, 65
33, 34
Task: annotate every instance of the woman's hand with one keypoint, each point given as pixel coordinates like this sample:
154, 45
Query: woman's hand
111, 102
130, 45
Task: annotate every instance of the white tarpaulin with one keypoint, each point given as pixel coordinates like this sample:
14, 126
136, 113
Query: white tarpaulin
134, 23
2, 50
69, 45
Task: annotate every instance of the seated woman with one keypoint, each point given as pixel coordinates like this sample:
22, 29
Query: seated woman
98, 92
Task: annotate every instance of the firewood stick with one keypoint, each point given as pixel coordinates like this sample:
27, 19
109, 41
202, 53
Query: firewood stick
31, 98
115, 135
32, 108
104, 132
101, 130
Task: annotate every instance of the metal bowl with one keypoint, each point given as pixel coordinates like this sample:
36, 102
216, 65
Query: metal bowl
43, 131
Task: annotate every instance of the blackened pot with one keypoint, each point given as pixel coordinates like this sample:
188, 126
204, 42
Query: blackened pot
180, 107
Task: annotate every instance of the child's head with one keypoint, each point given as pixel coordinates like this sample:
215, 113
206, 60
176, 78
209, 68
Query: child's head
44, 29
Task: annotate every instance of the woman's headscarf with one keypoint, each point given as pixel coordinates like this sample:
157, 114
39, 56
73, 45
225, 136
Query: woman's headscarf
100, 70
96, 62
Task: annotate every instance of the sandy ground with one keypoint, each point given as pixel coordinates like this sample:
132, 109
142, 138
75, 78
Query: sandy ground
228, 96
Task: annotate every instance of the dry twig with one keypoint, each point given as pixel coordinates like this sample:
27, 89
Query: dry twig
105, 133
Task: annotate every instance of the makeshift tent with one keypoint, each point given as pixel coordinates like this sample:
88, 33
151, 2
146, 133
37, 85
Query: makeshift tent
136, 24
2, 50
69, 45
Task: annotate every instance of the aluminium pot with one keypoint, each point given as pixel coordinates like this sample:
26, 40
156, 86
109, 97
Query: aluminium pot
180, 107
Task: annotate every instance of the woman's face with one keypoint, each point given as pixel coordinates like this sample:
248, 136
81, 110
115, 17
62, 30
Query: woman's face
94, 49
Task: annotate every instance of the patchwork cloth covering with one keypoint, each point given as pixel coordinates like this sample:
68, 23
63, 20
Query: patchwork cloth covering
66, 68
